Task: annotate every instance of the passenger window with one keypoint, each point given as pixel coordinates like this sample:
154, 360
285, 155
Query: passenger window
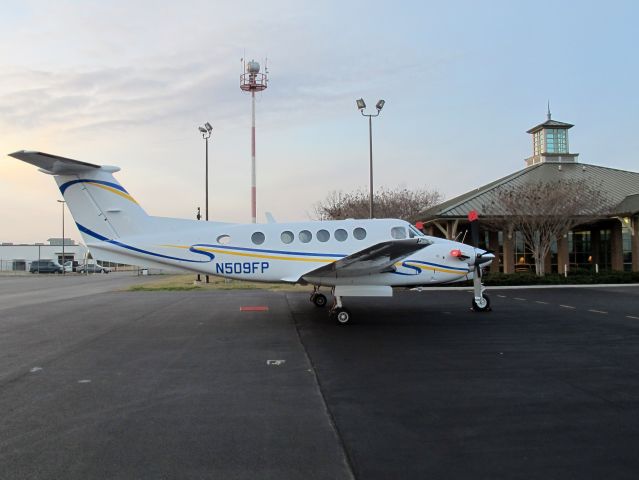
359, 233
223, 239
323, 235
341, 235
258, 238
305, 236
398, 233
287, 237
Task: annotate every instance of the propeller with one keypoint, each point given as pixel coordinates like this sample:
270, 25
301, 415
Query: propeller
473, 218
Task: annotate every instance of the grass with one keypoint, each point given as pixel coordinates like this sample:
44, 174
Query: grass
176, 283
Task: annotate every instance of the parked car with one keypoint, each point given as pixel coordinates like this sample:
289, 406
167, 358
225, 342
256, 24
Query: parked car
92, 268
45, 266
70, 266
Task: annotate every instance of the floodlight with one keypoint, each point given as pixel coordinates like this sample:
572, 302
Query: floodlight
202, 129
361, 104
208, 126
380, 104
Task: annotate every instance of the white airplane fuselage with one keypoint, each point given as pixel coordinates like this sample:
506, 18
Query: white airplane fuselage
287, 250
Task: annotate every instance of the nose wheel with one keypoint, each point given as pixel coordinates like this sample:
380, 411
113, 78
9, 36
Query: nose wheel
481, 304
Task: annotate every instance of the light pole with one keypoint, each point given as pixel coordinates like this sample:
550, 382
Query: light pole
206, 134
361, 105
62, 202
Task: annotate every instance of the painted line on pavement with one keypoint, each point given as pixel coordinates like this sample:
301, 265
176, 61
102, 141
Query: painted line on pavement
253, 309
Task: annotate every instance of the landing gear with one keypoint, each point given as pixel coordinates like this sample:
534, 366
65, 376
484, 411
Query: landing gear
319, 299
482, 304
338, 313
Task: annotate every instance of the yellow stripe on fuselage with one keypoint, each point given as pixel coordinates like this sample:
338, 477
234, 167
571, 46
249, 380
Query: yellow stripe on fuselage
114, 190
257, 255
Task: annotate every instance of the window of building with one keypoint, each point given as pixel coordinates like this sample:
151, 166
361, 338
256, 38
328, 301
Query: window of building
579, 249
524, 260
398, 233
359, 233
550, 140
258, 238
323, 235
537, 142
626, 240
287, 237
305, 236
561, 141
341, 235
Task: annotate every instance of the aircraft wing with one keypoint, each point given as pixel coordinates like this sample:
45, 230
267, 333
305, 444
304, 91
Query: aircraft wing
378, 258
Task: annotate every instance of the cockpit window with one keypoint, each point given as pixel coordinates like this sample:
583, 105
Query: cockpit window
398, 233
413, 232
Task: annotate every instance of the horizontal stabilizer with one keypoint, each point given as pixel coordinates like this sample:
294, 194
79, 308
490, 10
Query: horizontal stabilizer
55, 165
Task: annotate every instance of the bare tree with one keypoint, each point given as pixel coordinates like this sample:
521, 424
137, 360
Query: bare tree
389, 203
544, 211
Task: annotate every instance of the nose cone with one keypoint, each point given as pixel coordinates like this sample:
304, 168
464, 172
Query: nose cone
486, 258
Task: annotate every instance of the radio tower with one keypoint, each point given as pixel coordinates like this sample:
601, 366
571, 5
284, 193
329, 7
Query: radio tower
253, 81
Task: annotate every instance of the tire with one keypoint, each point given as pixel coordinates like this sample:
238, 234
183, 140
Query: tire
319, 299
482, 307
341, 316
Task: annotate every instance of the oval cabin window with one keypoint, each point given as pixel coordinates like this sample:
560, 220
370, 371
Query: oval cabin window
224, 239
305, 236
341, 235
258, 238
359, 233
287, 237
323, 235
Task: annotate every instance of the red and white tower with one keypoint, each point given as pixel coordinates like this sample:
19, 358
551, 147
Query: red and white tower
253, 81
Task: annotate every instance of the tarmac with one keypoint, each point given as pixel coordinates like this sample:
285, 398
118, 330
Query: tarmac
101, 383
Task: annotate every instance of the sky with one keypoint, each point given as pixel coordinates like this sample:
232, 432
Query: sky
128, 83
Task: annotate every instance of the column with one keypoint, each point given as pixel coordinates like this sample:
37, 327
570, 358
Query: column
634, 242
616, 247
509, 253
547, 263
493, 244
595, 244
563, 257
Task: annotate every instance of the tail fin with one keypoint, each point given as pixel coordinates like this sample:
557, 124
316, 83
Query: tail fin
100, 206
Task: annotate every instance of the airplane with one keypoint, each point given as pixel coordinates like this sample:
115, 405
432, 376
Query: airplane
354, 258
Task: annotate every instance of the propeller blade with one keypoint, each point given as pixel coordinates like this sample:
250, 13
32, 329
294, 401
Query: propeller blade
474, 227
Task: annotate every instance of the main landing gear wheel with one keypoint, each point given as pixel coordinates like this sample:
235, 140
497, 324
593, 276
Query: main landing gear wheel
341, 315
483, 305
319, 299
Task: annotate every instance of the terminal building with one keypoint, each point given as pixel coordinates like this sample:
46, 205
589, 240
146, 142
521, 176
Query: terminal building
611, 243
18, 257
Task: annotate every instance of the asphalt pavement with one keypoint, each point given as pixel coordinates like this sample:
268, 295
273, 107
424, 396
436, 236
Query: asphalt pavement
254, 384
